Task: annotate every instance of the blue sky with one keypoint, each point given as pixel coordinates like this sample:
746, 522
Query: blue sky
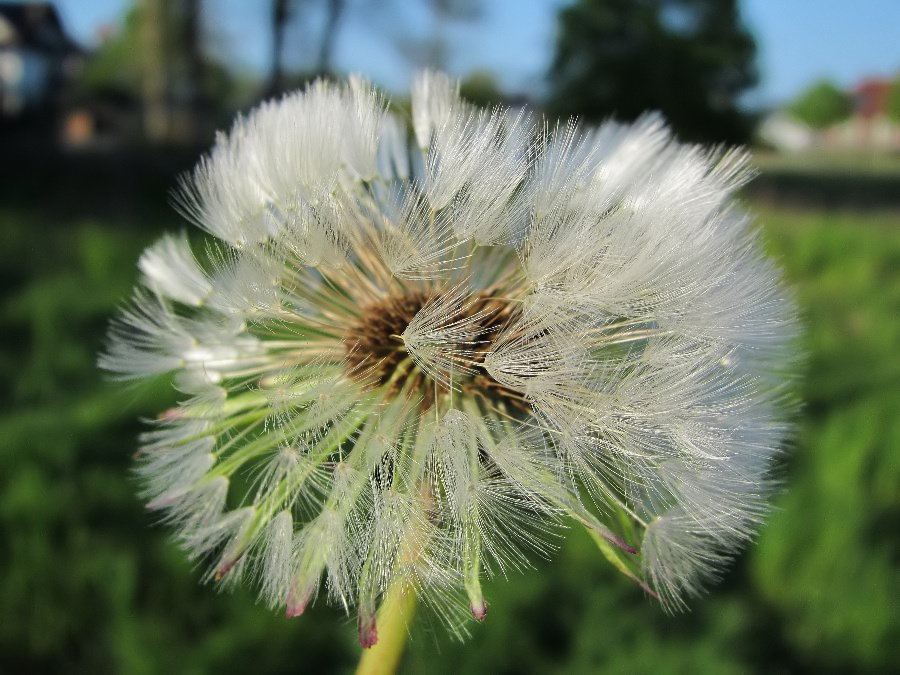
799, 40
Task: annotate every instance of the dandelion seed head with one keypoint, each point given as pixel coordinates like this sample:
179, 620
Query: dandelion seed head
413, 360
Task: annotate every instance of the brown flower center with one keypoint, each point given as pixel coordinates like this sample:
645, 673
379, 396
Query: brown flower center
376, 353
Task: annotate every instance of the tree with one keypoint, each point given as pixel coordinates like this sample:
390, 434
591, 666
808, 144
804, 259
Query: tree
334, 9
418, 29
432, 47
156, 50
689, 59
285, 13
893, 102
480, 87
158, 61
822, 105
281, 12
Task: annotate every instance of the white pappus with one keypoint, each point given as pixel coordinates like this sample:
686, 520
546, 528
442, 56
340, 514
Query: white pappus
413, 358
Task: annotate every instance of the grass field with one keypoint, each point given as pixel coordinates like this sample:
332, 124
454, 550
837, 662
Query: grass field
89, 585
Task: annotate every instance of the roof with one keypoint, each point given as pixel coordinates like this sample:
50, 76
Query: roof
872, 96
36, 25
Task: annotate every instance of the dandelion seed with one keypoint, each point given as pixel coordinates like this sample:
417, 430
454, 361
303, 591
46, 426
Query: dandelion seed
410, 362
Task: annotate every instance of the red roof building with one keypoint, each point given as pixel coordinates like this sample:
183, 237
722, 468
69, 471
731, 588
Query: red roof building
871, 97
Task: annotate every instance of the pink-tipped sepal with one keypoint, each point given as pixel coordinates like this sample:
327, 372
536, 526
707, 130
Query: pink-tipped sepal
368, 631
479, 610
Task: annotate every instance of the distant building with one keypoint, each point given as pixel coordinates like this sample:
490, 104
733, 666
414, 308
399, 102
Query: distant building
870, 127
871, 97
786, 134
37, 58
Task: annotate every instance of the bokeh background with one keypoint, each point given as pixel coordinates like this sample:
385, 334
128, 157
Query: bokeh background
104, 102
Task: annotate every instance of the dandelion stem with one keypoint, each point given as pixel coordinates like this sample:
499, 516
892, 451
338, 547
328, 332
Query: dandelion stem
393, 621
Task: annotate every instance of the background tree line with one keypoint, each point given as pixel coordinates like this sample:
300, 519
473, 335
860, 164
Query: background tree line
689, 59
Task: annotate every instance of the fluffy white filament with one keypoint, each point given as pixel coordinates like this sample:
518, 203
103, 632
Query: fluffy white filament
420, 356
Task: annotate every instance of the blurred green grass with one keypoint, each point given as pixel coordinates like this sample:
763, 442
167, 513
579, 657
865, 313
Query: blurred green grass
89, 585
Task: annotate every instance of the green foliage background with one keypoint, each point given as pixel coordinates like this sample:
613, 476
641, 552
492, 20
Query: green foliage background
822, 105
688, 59
89, 585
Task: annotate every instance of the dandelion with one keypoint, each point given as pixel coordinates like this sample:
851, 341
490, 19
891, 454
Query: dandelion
405, 364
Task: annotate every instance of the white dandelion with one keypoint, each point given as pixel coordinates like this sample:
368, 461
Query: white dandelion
409, 360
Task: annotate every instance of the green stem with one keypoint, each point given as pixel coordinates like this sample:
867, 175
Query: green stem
393, 621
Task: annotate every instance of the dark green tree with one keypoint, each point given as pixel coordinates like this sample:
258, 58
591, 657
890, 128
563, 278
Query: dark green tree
689, 59
822, 105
